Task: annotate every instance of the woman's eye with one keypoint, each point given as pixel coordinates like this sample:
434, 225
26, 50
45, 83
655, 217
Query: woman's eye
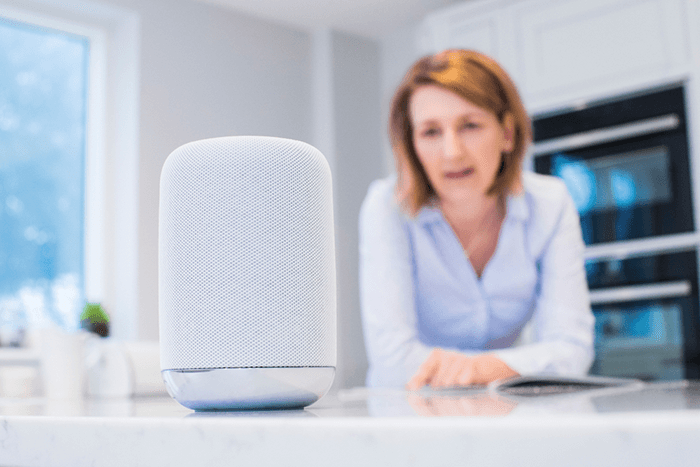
470, 125
430, 132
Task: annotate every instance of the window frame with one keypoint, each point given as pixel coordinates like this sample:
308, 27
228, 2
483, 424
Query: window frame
111, 148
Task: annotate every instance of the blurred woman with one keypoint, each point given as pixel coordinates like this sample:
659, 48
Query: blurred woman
462, 248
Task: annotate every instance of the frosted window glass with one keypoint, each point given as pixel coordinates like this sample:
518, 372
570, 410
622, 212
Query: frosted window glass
43, 97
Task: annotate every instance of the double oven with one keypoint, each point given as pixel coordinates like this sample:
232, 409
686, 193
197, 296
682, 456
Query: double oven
626, 164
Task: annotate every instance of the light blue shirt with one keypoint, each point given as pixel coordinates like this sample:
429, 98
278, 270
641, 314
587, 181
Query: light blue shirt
530, 307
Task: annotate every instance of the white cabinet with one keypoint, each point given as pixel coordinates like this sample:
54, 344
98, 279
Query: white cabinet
463, 29
482, 26
589, 49
563, 51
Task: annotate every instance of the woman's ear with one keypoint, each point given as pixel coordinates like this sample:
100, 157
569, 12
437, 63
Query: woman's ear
508, 125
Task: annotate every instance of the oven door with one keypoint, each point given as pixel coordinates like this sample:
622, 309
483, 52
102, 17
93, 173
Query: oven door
628, 190
643, 329
629, 180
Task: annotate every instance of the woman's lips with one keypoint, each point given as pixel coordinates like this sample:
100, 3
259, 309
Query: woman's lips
460, 173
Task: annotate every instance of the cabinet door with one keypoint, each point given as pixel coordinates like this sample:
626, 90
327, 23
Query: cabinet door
481, 26
573, 49
480, 33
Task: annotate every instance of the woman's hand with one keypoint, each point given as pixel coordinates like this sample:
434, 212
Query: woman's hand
444, 368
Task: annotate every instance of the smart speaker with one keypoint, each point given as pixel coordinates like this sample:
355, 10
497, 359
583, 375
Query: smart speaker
247, 293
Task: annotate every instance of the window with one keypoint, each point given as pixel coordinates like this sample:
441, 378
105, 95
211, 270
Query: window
102, 265
43, 104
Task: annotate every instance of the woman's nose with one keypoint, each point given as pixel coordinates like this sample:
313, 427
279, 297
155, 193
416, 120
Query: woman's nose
452, 145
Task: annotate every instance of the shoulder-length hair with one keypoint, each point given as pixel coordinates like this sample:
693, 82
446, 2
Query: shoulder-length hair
478, 79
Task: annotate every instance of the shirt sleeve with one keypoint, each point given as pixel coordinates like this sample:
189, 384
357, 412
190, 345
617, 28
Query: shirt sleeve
387, 290
562, 320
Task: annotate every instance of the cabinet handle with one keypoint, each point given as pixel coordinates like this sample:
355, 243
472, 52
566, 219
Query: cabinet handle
606, 135
640, 292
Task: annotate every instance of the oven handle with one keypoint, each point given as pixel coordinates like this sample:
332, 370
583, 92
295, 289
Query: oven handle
640, 292
606, 135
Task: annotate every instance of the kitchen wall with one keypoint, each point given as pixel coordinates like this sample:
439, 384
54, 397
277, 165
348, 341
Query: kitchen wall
358, 161
399, 49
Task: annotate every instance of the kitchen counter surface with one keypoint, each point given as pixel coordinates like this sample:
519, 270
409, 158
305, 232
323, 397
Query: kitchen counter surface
658, 424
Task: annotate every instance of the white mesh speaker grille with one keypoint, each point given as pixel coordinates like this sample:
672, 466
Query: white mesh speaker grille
246, 256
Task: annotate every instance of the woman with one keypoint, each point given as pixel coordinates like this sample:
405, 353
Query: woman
463, 249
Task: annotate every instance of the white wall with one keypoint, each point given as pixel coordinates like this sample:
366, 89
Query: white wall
358, 161
399, 50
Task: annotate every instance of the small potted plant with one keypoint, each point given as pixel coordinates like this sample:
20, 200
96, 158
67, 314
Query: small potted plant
95, 319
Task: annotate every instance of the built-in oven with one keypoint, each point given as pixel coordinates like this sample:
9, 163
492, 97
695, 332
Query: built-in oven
625, 163
646, 316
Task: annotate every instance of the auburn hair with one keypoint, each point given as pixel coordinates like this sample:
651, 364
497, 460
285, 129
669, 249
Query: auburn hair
480, 80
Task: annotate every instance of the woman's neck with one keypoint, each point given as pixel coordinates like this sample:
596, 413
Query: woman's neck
469, 217
477, 226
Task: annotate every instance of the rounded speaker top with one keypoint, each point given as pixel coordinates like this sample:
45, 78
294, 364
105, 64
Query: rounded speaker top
246, 256
260, 149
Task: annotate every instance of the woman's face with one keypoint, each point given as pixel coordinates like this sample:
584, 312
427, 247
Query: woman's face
459, 144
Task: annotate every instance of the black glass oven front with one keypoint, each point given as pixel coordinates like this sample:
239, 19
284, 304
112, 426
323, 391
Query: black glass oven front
625, 163
646, 312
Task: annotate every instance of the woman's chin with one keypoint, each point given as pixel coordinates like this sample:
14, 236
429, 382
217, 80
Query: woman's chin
462, 194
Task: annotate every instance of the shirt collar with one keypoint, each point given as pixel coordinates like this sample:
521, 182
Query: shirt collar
429, 214
517, 207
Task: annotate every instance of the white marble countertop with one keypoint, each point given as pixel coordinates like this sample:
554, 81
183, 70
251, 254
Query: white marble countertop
658, 425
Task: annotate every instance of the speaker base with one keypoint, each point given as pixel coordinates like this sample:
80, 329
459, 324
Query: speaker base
248, 388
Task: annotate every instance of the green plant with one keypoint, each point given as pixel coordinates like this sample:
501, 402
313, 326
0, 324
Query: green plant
95, 319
